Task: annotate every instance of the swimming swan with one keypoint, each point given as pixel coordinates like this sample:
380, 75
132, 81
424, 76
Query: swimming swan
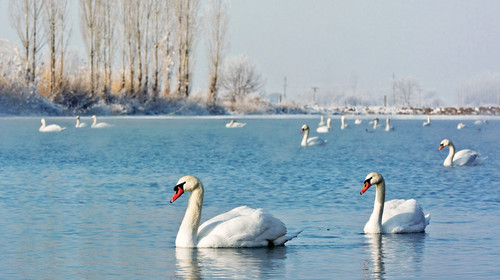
342, 123
313, 141
460, 158
50, 127
388, 126
79, 124
235, 124
99, 125
394, 216
325, 128
240, 227
428, 122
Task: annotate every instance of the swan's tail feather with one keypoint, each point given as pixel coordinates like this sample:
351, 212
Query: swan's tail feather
427, 219
282, 240
292, 236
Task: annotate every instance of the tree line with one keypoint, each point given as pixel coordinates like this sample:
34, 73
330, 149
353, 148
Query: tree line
136, 50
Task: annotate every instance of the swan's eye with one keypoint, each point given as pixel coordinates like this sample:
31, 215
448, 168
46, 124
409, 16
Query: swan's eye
181, 185
368, 180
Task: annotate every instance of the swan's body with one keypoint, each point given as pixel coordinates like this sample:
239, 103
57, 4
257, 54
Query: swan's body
358, 121
461, 125
460, 158
234, 124
428, 122
326, 128
313, 141
240, 227
321, 122
342, 123
394, 216
480, 122
50, 127
388, 126
79, 124
95, 124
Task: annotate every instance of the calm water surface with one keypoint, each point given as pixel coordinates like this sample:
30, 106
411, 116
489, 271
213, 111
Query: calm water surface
93, 204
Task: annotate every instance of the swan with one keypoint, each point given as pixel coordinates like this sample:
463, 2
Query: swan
326, 128
394, 216
461, 125
313, 141
342, 123
321, 122
480, 122
99, 125
78, 123
460, 158
375, 123
428, 122
388, 126
240, 227
358, 121
50, 127
235, 124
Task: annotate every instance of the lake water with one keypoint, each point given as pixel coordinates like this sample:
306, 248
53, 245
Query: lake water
94, 204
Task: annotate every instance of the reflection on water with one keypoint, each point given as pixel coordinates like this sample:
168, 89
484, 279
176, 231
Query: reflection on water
232, 263
399, 252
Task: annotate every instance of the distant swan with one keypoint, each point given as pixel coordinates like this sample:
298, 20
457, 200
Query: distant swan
388, 126
235, 124
78, 123
375, 123
326, 128
50, 127
394, 216
461, 125
342, 123
460, 158
240, 227
358, 121
321, 122
313, 141
428, 122
99, 125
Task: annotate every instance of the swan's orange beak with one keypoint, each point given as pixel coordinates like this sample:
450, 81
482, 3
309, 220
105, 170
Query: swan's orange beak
301, 131
179, 190
440, 147
365, 187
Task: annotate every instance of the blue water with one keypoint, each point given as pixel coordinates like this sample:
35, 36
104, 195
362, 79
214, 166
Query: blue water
93, 204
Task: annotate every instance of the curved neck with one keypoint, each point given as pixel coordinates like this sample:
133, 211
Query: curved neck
449, 159
375, 123
95, 121
188, 231
378, 207
77, 122
304, 139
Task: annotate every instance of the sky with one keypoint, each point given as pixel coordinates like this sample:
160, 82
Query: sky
325, 44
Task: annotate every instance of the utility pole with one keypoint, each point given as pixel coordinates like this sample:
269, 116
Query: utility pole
284, 89
314, 94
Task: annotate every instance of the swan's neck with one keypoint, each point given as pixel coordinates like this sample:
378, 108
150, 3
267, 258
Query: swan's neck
188, 231
95, 121
449, 159
77, 122
378, 208
304, 139
375, 123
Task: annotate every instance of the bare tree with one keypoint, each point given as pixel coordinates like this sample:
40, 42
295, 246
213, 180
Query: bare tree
25, 18
160, 43
89, 10
186, 16
218, 16
240, 78
407, 87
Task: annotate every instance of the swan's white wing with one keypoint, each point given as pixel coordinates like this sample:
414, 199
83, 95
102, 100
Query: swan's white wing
403, 216
314, 141
464, 157
101, 125
53, 128
242, 227
322, 129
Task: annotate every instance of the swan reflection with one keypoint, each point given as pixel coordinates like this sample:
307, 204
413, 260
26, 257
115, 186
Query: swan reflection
403, 252
230, 263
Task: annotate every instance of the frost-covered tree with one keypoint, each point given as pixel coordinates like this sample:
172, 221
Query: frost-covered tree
406, 88
240, 79
217, 44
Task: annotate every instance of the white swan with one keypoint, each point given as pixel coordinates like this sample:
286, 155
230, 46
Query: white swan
321, 122
79, 124
313, 141
342, 123
460, 158
375, 123
99, 125
240, 227
326, 128
235, 124
358, 121
428, 122
461, 125
388, 126
394, 216
50, 127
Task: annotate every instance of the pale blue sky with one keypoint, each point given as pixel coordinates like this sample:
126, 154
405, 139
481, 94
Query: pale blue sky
323, 43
